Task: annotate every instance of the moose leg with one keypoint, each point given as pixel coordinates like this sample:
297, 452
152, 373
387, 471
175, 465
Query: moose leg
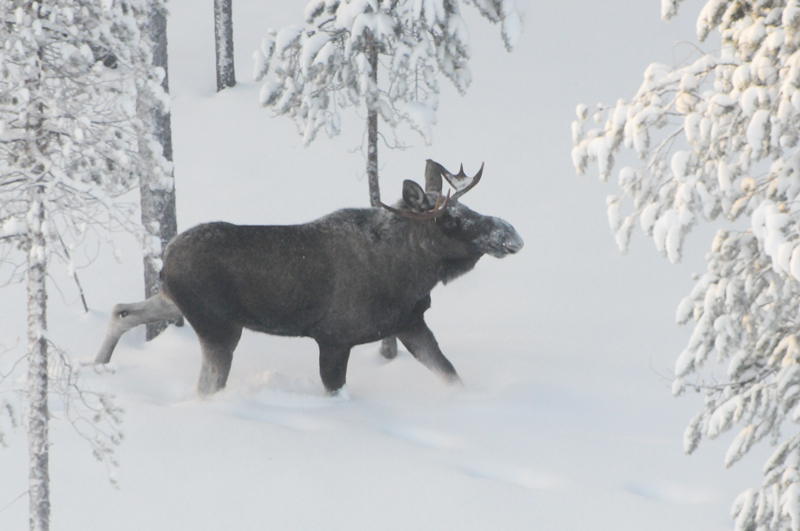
217, 348
333, 366
419, 341
389, 348
127, 316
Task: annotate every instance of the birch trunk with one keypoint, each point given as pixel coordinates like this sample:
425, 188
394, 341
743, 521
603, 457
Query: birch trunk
38, 445
36, 247
223, 38
157, 197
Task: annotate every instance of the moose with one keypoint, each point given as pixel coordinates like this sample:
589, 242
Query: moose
355, 276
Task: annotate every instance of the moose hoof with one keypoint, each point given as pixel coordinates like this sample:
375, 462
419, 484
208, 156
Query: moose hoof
341, 394
452, 379
210, 382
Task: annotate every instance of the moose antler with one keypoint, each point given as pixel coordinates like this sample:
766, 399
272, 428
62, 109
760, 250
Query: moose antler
430, 214
461, 182
433, 176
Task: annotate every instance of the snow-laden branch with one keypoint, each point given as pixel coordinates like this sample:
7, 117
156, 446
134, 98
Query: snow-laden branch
312, 72
719, 138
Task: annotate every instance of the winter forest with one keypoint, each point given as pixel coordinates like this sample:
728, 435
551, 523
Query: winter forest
635, 365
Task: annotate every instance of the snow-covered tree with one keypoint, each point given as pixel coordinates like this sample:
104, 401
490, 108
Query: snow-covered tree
334, 61
223, 39
717, 137
70, 73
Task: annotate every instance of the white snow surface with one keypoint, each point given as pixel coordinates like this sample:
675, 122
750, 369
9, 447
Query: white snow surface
565, 420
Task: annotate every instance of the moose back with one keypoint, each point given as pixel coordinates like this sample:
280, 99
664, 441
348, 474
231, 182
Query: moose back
352, 277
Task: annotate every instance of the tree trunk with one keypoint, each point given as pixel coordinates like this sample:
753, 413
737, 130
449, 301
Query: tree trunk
372, 157
389, 345
223, 37
38, 415
157, 199
372, 124
36, 247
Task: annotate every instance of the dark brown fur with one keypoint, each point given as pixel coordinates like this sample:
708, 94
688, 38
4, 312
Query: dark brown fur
353, 277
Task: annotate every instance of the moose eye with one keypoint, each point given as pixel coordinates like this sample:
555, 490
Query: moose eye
450, 224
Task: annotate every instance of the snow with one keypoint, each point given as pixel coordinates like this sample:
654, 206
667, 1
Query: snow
600, 150
512, 27
692, 126
13, 226
680, 163
794, 263
311, 49
285, 38
566, 419
758, 131
751, 98
669, 8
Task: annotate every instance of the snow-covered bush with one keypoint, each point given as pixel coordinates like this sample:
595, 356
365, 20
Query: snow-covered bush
718, 137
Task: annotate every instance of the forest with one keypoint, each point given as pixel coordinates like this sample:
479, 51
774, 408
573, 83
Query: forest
634, 364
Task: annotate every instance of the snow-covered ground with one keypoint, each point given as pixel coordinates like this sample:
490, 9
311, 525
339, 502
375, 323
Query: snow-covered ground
565, 421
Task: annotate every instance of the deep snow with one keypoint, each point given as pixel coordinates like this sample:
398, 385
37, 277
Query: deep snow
566, 419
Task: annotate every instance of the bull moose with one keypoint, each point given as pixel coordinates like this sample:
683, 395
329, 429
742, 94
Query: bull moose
352, 277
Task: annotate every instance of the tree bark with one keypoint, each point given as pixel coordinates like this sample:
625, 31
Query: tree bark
372, 124
372, 158
35, 246
157, 200
223, 35
389, 345
38, 415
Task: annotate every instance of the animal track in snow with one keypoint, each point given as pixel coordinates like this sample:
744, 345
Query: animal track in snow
282, 417
291, 410
423, 437
670, 492
437, 440
515, 475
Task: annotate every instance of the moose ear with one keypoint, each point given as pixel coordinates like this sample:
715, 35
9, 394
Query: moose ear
415, 198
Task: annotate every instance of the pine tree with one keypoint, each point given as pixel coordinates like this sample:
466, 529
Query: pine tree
385, 54
718, 137
70, 72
